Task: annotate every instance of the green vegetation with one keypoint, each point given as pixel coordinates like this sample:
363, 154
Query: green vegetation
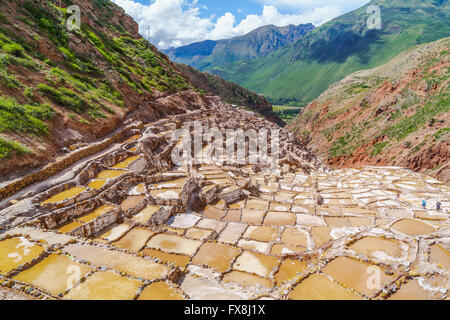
286, 113
329, 132
14, 49
346, 144
303, 70
8, 147
9, 80
24, 118
438, 105
378, 148
64, 97
440, 133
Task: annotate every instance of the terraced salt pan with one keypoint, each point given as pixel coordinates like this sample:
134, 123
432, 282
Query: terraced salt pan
355, 274
65, 195
321, 235
263, 233
258, 246
246, 280
212, 224
383, 249
69, 226
166, 194
201, 289
232, 232
413, 227
337, 233
134, 240
110, 174
55, 274
145, 215
113, 232
252, 262
120, 261
174, 244
97, 184
252, 216
184, 220
295, 237
174, 184
320, 287
215, 255
133, 138
280, 218
289, 270
160, 290
88, 217
131, 202
282, 249
410, 291
198, 234
104, 286
137, 190
17, 251
440, 256
126, 162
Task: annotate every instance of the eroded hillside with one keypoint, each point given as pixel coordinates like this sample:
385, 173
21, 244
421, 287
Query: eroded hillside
397, 114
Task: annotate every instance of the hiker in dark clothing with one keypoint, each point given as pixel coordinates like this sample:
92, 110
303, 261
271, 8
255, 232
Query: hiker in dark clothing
438, 206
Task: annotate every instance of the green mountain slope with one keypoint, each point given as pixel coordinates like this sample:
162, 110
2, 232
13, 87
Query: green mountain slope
258, 43
304, 69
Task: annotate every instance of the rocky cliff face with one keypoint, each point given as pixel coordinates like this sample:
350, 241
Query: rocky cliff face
397, 114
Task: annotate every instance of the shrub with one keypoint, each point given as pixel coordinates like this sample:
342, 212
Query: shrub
7, 147
64, 97
24, 118
14, 49
9, 80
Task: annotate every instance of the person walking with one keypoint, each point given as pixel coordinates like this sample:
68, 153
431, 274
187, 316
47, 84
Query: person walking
424, 204
438, 206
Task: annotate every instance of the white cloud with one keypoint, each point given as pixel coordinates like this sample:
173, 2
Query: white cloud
177, 22
345, 5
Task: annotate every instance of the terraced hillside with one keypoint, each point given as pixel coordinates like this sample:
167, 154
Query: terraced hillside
300, 72
397, 114
132, 220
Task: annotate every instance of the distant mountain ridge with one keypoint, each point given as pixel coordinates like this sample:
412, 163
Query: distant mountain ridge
258, 43
301, 71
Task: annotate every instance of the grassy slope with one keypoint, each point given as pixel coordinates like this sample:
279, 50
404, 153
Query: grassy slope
86, 76
303, 70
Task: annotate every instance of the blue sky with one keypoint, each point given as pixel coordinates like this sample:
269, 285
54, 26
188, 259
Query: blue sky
240, 8
175, 23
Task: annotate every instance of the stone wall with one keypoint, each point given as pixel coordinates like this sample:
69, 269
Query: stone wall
55, 167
